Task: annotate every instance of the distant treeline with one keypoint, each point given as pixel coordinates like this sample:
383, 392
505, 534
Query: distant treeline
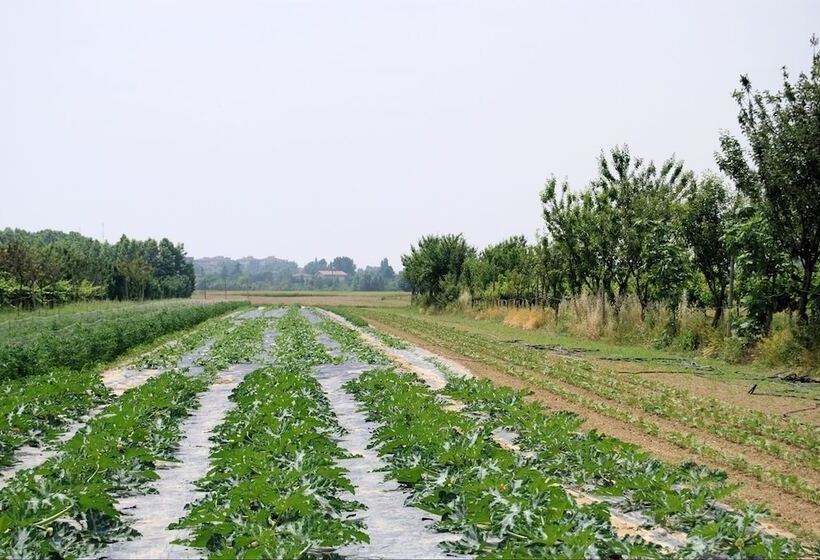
662, 236
271, 273
52, 267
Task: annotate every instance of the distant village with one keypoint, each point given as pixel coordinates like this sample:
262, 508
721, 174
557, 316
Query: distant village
272, 273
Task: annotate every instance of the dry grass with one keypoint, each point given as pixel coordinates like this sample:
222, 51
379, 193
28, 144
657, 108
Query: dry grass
689, 330
491, 313
527, 319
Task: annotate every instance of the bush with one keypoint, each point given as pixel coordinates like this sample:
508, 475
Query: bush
735, 349
780, 348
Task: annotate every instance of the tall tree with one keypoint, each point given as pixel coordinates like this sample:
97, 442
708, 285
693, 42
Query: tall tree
781, 168
705, 222
435, 269
386, 270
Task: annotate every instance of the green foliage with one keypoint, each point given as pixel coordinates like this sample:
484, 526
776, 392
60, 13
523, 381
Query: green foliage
35, 409
345, 264
51, 267
274, 488
83, 344
168, 354
435, 269
780, 175
347, 314
503, 506
66, 506
237, 345
705, 219
613, 396
351, 342
620, 233
658, 235
681, 497
271, 273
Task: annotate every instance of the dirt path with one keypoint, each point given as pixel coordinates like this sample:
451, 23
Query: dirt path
788, 512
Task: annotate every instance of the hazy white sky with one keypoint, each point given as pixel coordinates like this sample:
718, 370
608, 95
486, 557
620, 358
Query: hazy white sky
302, 129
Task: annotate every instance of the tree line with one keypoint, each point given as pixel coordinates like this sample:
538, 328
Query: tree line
664, 236
51, 267
271, 273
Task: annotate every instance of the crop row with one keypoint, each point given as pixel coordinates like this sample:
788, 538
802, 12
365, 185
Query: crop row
710, 414
683, 498
352, 343
66, 506
274, 489
37, 408
237, 345
522, 364
23, 326
34, 410
169, 354
515, 505
501, 505
353, 318
86, 344
727, 421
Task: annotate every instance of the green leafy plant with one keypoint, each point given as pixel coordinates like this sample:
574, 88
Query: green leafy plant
274, 488
66, 506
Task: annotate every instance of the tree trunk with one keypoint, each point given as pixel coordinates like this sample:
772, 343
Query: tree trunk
719, 299
767, 320
805, 288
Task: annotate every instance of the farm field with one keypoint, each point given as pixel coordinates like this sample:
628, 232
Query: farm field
317, 297
291, 432
682, 410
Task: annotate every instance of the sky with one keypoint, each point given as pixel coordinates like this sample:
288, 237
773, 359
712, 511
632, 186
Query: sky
315, 129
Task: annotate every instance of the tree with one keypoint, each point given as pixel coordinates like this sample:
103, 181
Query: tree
345, 264
18, 261
764, 281
620, 232
315, 266
637, 212
386, 270
435, 268
567, 219
551, 274
58, 267
705, 221
504, 271
781, 169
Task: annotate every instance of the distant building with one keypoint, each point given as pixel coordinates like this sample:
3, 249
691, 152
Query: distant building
335, 274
